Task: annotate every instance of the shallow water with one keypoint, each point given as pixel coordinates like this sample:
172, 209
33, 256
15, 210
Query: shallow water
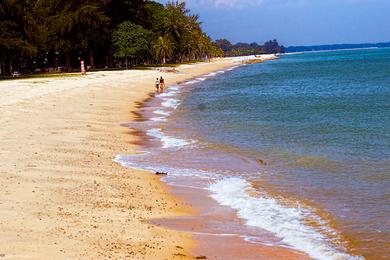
299, 147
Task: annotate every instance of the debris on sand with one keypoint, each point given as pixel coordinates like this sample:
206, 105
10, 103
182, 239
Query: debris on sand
262, 162
161, 173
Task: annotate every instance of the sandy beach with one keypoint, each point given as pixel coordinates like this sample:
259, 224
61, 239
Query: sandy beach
62, 196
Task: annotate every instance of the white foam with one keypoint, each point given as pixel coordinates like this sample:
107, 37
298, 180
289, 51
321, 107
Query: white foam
174, 88
232, 68
285, 222
191, 82
158, 119
221, 71
161, 112
130, 160
211, 74
168, 94
167, 141
171, 103
201, 79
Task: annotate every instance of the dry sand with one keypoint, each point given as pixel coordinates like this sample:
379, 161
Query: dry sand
61, 195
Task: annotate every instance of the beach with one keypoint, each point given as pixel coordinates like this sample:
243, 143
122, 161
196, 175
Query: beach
62, 195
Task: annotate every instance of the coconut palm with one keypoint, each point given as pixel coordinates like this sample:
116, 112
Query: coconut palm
163, 48
175, 21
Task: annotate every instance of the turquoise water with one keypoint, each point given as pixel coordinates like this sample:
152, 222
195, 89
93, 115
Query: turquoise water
321, 124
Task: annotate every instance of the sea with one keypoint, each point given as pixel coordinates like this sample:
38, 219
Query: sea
298, 148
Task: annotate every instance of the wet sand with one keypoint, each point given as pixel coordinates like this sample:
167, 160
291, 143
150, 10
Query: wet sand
221, 235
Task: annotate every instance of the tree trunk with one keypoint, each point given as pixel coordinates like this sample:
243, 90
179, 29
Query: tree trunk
2, 66
68, 61
6, 67
91, 58
164, 60
127, 66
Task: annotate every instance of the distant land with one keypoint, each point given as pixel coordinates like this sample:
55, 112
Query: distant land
330, 47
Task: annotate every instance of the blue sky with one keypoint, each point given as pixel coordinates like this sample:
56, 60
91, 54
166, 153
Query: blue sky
295, 22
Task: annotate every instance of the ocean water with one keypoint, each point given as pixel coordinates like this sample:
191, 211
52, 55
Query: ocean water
298, 147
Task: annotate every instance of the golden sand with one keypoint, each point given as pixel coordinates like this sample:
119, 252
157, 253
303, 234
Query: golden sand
62, 196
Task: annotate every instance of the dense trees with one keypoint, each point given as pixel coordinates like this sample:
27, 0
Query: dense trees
54, 35
47, 35
273, 47
131, 41
249, 49
15, 42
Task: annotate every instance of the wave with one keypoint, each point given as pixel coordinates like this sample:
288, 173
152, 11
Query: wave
232, 68
174, 88
168, 94
161, 112
168, 141
171, 103
211, 74
191, 82
158, 119
287, 223
130, 161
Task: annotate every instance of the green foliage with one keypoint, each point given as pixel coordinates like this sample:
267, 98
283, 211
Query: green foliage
14, 42
243, 49
44, 35
130, 41
163, 48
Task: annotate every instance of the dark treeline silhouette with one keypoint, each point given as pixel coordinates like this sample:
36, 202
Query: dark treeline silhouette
241, 49
54, 35
337, 47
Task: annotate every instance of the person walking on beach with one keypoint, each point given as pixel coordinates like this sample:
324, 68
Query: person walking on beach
157, 85
162, 83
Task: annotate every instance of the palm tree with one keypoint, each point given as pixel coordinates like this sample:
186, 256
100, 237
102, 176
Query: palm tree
175, 20
163, 48
187, 47
76, 25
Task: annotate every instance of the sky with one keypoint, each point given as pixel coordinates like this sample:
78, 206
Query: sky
295, 22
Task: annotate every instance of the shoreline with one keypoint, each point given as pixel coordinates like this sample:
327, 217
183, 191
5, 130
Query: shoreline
202, 225
210, 241
61, 191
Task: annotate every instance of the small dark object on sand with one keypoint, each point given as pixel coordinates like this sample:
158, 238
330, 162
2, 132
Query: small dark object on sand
201, 257
262, 162
161, 173
2, 255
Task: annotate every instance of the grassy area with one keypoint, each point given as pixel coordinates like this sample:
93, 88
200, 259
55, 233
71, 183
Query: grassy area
77, 74
42, 75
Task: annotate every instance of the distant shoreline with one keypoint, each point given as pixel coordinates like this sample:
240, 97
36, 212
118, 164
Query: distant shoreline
335, 47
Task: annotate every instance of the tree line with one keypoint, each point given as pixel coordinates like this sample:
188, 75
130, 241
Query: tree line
48, 35
331, 47
243, 49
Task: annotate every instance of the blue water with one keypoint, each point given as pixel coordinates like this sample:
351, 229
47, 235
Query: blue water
321, 124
